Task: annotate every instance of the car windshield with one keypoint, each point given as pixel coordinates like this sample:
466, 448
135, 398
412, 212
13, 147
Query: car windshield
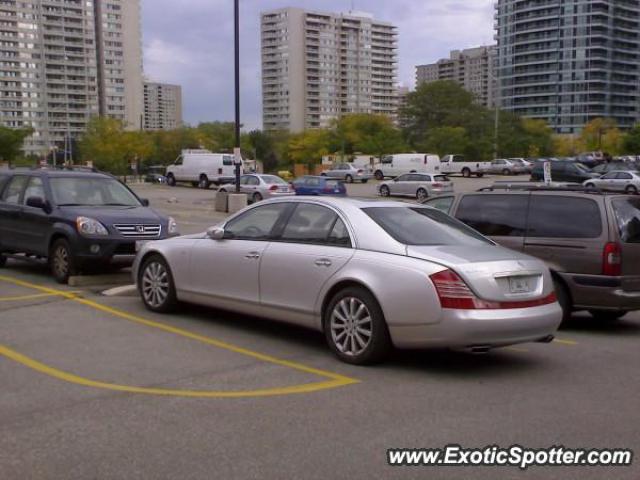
628, 217
92, 192
273, 180
581, 167
424, 226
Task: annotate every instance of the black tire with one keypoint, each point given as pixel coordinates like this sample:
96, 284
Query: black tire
607, 316
479, 174
222, 190
590, 185
145, 285
348, 179
204, 182
379, 175
3, 260
257, 197
385, 191
379, 343
506, 172
194, 184
171, 180
466, 173
365, 181
422, 195
62, 262
631, 190
564, 299
323, 174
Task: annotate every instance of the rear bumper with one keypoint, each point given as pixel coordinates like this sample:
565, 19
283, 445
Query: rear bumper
481, 328
600, 292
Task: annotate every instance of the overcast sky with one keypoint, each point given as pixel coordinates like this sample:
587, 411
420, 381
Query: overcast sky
190, 42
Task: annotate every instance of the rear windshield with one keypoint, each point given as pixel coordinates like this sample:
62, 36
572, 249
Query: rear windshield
272, 180
628, 217
424, 226
441, 178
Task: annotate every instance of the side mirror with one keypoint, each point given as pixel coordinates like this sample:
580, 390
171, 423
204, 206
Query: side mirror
215, 233
144, 202
37, 202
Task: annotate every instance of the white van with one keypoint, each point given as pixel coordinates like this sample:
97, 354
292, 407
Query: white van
201, 168
399, 164
451, 164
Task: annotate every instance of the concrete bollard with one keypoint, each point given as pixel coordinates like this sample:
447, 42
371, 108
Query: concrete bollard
237, 201
222, 202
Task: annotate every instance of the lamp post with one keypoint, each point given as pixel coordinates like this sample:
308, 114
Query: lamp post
237, 154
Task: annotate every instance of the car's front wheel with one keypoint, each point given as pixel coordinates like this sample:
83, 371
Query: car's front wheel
171, 180
466, 173
355, 327
422, 194
61, 261
156, 285
257, 197
348, 179
631, 190
379, 175
384, 191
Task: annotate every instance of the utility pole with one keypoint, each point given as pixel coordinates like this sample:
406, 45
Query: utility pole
237, 154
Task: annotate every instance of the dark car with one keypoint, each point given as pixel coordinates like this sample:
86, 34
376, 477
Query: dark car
589, 240
310, 185
76, 220
563, 171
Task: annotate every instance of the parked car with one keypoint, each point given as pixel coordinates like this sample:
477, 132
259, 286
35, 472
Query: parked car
621, 181
202, 168
155, 174
349, 173
417, 185
310, 185
399, 164
369, 274
526, 164
591, 159
75, 220
613, 166
503, 166
260, 187
563, 171
458, 164
589, 240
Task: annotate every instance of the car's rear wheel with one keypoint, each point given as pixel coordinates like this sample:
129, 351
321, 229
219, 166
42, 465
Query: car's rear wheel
384, 191
379, 175
466, 173
156, 285
355, 327
365, 180
631, 190
422, 194
506, 172
61, 261
171, 180
479, 174
607, 316
348, 179
590, 185
204, 182
564, 300
257, 197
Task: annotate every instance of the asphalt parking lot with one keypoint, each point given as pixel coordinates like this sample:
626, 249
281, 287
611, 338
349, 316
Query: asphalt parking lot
98, 387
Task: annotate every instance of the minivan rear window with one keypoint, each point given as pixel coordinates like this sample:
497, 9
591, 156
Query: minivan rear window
564, 217
628, 217
495, 215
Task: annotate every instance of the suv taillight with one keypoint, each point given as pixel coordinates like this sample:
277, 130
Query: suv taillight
454, 293
612, 260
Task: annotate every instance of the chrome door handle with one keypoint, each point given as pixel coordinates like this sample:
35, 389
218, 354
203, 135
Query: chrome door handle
252, 256
323, 262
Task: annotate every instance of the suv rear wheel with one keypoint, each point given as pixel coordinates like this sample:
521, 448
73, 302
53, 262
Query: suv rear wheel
61, 261
564, 300
204, 182
379, 175
466, 173
607, 316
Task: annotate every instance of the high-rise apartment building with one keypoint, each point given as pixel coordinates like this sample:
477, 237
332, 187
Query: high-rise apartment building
568, 62
162, 106
472, 68
65, 61
318, 66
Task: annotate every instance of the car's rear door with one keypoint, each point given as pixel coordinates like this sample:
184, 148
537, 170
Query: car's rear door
310, 249
226, 271
12, 229
36, 222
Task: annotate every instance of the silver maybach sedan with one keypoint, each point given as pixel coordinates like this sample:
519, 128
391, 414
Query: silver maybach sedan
369, 274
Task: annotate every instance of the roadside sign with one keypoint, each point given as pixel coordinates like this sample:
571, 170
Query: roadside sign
237, 156
547, 172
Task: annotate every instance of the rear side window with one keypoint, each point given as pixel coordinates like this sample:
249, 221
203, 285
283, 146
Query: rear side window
14, 189
628, 218
564, 217
333, 183
227, 160
440, 178
440, 203
495, 215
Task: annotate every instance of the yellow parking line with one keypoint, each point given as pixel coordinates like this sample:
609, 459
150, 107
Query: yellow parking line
570, 343
336, 380
32, 297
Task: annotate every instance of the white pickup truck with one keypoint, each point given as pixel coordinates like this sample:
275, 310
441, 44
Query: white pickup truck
457, 164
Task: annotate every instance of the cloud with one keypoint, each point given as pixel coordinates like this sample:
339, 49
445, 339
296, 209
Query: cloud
190, 42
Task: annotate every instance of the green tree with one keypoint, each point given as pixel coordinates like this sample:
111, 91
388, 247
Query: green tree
309, 146
367, 134
594, 132
103, 144
631, 143
446, 140
11, 141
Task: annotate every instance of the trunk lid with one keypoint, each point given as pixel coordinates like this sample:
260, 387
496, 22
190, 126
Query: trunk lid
493, 273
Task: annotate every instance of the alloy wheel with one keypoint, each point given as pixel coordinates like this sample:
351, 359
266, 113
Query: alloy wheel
155, 284
422, 194
61, 262
384, 191
351, 326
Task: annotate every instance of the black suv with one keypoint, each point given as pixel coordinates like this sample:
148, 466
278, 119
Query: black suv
77, 220
563, 171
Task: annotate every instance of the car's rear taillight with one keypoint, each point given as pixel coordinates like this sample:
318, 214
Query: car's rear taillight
436, 185
273, 188
454, 293
292, 186
359, 171
612, 260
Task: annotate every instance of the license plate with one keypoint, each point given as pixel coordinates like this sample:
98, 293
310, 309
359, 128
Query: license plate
520, 284
140, 244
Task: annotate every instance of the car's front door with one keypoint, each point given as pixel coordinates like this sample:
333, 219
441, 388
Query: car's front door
312, 247
398, 185
226, 271
36, 221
